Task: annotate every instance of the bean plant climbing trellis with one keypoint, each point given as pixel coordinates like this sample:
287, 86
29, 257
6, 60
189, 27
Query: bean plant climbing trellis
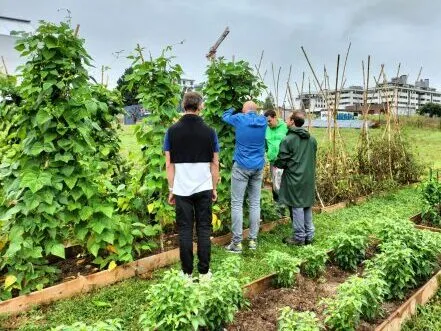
229, 85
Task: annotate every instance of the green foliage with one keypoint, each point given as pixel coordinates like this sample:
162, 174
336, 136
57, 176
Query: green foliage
269, 209
269, 102
431, 196
290, 320
285, 266
129, 94
349, 250
356, 298
431, 109
314, 263
177, 303
109, 325
395, 263
54, 189
229, 85
157, 81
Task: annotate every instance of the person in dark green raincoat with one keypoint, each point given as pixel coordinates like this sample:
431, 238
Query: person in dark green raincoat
297, 156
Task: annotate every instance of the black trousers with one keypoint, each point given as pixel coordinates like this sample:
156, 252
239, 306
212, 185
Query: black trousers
190, 209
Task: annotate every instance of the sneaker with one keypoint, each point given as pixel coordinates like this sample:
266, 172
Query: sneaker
252, 244
187, 277
293, 242
234, 248
205, 277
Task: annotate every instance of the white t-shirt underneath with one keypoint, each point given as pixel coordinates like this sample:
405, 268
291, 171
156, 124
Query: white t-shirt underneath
191, 178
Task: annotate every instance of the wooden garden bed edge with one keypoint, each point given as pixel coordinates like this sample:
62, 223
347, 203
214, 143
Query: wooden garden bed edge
409, 308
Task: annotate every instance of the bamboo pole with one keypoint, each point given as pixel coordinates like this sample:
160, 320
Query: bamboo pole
4, 66
77, 29
334, 132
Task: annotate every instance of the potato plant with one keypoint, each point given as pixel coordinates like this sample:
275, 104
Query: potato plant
314, 263
431, 197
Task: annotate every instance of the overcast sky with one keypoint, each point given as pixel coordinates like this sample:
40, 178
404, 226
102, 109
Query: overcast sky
391, 31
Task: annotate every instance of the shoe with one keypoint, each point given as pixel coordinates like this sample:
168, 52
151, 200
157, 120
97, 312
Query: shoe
252, 244
293, 242
309, 241
234, 248
205, 277
187, 277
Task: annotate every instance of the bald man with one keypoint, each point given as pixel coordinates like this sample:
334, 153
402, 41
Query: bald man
247, 172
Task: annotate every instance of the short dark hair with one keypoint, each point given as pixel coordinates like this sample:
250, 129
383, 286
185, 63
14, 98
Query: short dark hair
192, 101
298, 117
270, 112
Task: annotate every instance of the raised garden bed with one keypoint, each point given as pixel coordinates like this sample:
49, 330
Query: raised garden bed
417, 219
93, 280
267, 300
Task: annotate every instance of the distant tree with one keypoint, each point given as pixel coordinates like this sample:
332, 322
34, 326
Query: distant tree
269, 102
431, 109
128, 96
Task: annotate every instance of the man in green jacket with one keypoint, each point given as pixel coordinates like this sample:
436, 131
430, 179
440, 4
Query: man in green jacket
297, 156
275, 132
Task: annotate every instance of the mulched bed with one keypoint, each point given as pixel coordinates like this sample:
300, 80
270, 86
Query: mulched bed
305, 296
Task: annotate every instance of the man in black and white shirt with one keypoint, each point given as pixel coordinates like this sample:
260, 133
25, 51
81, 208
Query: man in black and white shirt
192, 162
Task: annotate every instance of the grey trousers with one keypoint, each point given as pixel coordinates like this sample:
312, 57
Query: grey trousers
302, 225
241, 179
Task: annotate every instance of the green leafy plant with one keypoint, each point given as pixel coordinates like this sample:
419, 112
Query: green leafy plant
314, 263
157, 82
109, 325
285, 266
395, 262
349, 250
53, 187
177, 303
431, 196
356, 298
229, 85
269, 210
290, 320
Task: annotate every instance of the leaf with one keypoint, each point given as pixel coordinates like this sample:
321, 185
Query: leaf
106, 210
66, 157
10, 280
58, 250
112, 265
85, 213
35, 181
70, 181
42, 117
150, 207
102, 303
108, 237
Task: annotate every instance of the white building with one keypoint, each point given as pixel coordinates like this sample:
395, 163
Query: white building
8, 26
187, 84
315, 102
403, 98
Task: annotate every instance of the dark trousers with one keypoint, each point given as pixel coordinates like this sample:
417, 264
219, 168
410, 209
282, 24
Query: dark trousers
190, 209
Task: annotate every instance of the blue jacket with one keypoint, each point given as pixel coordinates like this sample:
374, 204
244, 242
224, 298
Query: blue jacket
249, 152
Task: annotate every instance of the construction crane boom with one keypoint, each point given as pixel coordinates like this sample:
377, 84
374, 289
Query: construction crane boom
212, 52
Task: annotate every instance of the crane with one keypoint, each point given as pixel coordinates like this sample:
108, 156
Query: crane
212, 52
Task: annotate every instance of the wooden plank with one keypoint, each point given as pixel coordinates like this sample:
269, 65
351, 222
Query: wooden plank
84, 284
259, 286
337, 206
409, 308
417, 219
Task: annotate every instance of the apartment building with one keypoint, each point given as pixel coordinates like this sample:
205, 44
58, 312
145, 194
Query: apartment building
403, 98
